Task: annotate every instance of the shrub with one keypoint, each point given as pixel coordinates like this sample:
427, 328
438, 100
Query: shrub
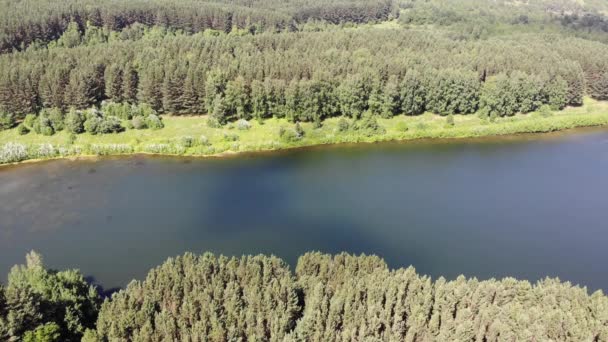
545, 111
44, 126
110, 149
56, 117
22, 130
231, 137
299, 130
243, 125
13, 152
138, 122
45, 151
71, 139
369, 126
7, 120
204, 141
91, 125
213, 123
110, 124
29, 120
154, 122
74, 122
449, 121
343, 125
122, 111
187, 141
165, 148
129, 125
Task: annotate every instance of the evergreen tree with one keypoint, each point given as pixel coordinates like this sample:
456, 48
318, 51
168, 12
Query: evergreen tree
114, 82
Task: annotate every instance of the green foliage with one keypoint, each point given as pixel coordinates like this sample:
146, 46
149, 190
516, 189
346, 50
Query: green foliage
22, 129
139, 122
240, 289
341, 298
243, 125
231, 137
187, 141
43, 305
498, 97
74, 122
154, 122
92, 123
49, 332
343, 125
599, 86
402, 126
369, 126
7, 120
29, 120
449, 120
212, 122
545, 111
43, 125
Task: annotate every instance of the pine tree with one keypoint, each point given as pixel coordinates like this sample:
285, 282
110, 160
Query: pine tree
114, 83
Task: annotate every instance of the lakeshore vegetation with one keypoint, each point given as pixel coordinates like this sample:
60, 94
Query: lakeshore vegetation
327, 298
291, 73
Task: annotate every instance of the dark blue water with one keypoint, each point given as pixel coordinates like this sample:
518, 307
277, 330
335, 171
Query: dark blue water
522, 207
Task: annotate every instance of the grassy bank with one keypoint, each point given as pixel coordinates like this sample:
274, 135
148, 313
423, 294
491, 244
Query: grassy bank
191, 136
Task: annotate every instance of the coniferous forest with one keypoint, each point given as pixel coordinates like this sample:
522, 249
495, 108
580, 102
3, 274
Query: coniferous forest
327, 298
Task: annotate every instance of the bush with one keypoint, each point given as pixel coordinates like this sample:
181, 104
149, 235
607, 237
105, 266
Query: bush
213, 123
45, 151
204, 141
343, 125
165, 148
138, 122
122, 111
449, 121
7, 120
187, 141
56, 117
29, 120
231, 137
22, 130
545, 111
74, 122
369, 126
243, 125
110, 149
154, 122
299, 130
91, 125
71, 139
110, 124
129, 125
13, 152
44, 126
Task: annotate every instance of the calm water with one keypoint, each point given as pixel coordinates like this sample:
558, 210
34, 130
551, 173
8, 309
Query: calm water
523, 207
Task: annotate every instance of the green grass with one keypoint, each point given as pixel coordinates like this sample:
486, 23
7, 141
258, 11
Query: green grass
265, 136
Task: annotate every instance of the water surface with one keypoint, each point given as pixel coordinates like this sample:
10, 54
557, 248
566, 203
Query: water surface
522, 207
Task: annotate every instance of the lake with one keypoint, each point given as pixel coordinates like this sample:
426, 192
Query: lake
527, 207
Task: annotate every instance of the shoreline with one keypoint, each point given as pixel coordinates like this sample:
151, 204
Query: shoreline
515, 136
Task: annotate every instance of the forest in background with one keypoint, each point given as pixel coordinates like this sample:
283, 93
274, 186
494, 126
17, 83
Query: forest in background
437, 56
326, 298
